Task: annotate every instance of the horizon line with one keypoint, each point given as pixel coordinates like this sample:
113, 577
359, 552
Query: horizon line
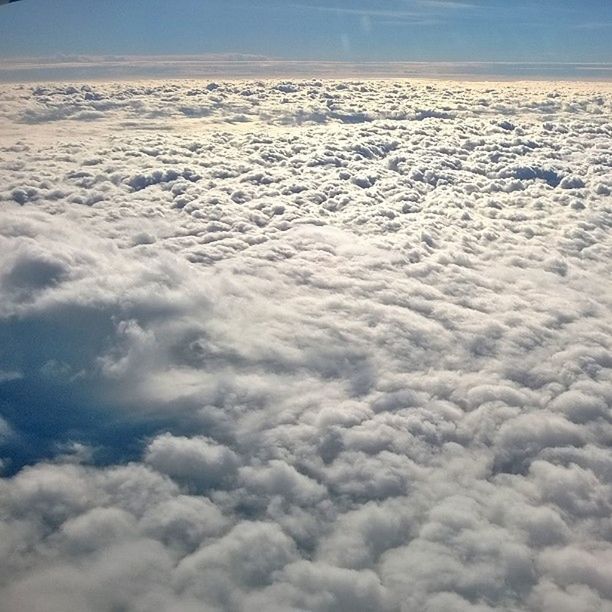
230, 66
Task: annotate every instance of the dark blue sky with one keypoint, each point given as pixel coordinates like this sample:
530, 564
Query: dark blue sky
467, 30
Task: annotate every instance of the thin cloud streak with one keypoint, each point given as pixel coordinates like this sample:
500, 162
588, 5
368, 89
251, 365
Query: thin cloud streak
448, 4
341, 10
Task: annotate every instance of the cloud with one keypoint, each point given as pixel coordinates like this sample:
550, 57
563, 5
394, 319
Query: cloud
406, 11
194, 460
305, 345
237, 66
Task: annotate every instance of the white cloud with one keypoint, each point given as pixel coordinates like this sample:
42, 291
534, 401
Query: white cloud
194, 460
296, 345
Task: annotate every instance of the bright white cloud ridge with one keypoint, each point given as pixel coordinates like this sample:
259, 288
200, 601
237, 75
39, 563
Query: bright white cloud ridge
305, 346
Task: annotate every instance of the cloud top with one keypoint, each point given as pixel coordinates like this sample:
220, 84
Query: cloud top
305, 345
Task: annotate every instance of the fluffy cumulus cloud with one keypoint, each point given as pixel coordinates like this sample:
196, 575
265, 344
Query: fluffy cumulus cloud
308, 345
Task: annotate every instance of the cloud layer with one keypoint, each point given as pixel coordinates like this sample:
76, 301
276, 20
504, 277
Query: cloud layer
305, 345
236, 66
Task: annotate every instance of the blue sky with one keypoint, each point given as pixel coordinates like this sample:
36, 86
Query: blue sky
418, 30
